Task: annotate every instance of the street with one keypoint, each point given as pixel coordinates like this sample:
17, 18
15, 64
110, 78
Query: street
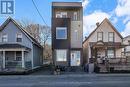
76, 80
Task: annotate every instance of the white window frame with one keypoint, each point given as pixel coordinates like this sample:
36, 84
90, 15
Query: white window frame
75, 16
60, 14
110, 38
99, 38
61, 28
4, 37
64, 13
65, 54
110, 54
19, 37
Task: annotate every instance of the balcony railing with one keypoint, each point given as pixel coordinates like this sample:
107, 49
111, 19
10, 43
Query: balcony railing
118, 60
13, 64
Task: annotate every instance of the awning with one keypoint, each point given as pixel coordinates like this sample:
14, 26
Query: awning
13, 46
107, 44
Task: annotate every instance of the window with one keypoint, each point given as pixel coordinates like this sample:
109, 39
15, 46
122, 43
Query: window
75, 16
61, 33
4, 38
18, 56
58, 15
100, 36
110, 53
111, 37
61, 55
19, 37
61, 14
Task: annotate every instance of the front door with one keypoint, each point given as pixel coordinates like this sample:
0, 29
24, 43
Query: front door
75, 58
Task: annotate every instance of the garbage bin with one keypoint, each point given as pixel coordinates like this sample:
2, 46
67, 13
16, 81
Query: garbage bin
91, 68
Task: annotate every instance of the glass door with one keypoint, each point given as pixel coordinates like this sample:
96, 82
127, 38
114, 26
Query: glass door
75, 58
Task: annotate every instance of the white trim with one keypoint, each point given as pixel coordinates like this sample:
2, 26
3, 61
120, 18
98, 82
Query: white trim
60, 14
17, 49
89, 53
32, 58
23, 59
3, 59
75, 16
61, 28
15, 55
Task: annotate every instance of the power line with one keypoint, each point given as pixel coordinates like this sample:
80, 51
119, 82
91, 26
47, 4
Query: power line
39, 12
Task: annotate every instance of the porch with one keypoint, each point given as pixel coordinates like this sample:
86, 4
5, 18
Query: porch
108, 57
14, 59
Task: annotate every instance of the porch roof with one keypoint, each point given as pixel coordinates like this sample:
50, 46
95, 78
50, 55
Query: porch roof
107, 44
14, 46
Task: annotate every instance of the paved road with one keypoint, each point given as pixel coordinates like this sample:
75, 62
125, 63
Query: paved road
85, 80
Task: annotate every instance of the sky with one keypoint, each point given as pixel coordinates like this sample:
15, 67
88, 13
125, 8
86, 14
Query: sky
117, 11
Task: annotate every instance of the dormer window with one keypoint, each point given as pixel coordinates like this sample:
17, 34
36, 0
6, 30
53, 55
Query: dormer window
4, 38
19, 37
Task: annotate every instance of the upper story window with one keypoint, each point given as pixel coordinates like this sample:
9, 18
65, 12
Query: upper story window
111, 36
19, 37
4, 38
99, 36
61, 32
75, 16
61, 14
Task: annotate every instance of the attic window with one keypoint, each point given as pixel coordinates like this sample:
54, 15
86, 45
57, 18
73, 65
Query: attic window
99, 36
111, 36
19, 37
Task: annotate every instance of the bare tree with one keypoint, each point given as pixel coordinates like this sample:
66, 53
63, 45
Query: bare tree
41, 33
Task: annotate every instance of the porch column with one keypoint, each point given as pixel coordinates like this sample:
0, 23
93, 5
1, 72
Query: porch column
4, 59
89, 54
23, 61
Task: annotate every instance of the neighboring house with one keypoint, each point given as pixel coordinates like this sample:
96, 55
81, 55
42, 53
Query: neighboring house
67, 33
126, 50
18, 49
103, 48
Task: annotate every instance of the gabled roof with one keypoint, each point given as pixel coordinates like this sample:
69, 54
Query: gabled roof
127, 36
105, 20
21, 28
